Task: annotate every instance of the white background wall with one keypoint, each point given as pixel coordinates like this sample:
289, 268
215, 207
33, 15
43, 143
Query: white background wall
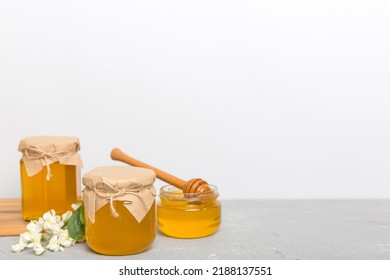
266, 99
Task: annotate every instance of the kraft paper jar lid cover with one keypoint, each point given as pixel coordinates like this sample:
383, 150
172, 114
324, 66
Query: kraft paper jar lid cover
40, 151
133, 185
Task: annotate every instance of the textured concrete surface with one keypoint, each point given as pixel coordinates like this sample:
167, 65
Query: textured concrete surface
268, 229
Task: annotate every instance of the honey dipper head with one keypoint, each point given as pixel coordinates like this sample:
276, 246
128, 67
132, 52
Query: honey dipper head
196, 185
198, 191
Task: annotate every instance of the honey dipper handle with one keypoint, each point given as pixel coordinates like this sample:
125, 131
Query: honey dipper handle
117, 154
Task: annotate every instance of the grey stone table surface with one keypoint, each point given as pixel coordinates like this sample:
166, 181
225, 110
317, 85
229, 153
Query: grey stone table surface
267, 229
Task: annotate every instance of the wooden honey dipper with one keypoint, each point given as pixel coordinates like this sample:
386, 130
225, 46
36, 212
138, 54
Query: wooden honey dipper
196, 185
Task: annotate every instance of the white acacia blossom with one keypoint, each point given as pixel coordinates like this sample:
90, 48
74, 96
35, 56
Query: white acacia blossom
46, 233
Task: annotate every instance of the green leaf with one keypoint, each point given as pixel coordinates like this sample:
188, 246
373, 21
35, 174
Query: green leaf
81, 214
75, 226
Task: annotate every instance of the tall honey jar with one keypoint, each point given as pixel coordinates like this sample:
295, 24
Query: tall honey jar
49, 168
190, 215
120, 209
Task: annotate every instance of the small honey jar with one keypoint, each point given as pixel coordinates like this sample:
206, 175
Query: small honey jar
49, 170
120, 209
190, 215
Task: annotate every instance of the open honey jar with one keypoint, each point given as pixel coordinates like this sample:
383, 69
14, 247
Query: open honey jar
189, 215
187, 209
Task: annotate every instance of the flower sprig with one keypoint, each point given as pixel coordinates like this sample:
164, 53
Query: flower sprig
52, 232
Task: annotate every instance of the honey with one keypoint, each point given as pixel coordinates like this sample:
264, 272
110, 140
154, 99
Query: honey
120, 209
122, 235
40, 195
188, 216
49, 171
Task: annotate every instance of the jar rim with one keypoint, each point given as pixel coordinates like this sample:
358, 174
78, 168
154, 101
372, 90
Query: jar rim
173, 193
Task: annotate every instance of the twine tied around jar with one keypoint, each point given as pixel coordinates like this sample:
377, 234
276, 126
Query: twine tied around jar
34, 153
110, 192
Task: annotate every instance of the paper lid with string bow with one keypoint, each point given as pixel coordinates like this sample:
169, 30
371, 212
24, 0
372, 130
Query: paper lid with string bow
40, 151
132, 185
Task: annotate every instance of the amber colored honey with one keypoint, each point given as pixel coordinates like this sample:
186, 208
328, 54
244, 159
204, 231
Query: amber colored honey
122, 235
40, 195
183, 218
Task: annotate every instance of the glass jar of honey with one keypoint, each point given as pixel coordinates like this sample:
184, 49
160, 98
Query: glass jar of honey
191, 215
120, 209
50, 169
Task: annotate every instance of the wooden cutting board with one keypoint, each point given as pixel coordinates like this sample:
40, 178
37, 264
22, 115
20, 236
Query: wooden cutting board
11, 221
